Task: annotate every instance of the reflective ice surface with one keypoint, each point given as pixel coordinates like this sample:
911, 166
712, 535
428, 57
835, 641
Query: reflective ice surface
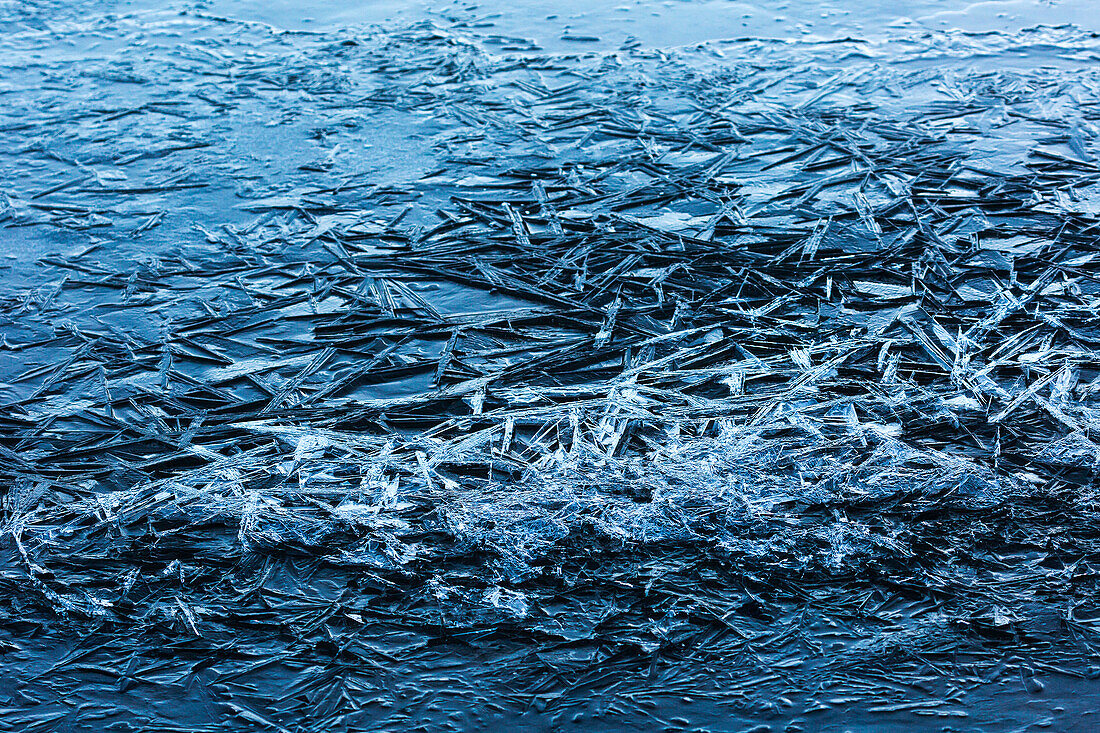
548, 365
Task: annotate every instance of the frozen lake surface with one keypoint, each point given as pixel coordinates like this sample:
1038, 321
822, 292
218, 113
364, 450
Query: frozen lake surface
549, 366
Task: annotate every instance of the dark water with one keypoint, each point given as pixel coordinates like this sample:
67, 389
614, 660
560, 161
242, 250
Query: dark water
549, 366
